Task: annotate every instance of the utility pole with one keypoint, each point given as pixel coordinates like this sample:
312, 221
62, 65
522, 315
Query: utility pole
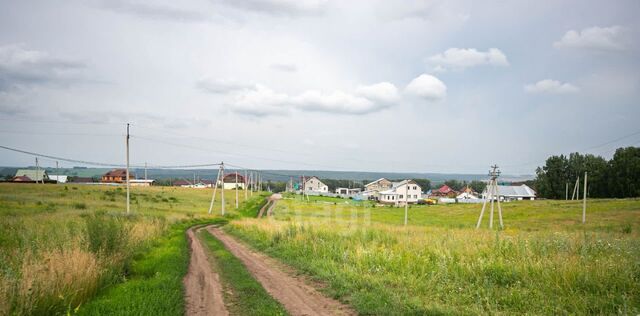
406, 203
38, 171
584, 200
128, 193
244, 181
236, 189
566, 194
492, 192
222, 172
145, 170
58, 173
215, 188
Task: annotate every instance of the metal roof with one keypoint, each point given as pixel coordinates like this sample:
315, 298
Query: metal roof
33, 174
514, 191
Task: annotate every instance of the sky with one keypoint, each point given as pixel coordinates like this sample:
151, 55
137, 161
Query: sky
394, 86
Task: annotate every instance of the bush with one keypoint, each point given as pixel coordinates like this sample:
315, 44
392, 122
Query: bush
80, 206
106, 234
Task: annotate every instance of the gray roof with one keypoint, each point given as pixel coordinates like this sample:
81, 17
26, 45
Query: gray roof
515, 191
33, 174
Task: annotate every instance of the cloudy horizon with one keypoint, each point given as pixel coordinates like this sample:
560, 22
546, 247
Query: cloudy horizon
408, 86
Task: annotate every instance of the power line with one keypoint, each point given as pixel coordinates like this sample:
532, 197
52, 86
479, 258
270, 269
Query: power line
103, 164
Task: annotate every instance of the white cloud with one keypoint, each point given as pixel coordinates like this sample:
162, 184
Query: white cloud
598, 38
427, 87
279, 7
222, 85
155, 11
381, 93
460, 58
262, 101
549, 86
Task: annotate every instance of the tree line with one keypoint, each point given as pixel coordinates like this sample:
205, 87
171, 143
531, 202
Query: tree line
615, 178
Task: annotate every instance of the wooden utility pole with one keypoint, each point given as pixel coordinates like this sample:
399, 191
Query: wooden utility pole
584, 200
245, 184
128, 194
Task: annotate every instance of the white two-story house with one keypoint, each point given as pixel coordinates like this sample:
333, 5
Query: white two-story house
313, 184
406, 190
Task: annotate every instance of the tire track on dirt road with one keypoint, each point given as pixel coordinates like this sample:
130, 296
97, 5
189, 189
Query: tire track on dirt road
292, 292
203, 291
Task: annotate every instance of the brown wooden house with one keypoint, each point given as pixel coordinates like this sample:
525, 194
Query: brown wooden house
117, 176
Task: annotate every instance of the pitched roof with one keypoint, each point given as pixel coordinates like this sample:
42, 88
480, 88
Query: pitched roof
231, 178
22, 179
116, 173
515, 191
374, 182
443, 189
33, 174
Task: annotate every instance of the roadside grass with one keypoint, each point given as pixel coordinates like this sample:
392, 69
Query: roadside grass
242, 293
544, 262
154, 282
60, 245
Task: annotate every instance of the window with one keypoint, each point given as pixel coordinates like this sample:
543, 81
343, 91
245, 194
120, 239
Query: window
400, 196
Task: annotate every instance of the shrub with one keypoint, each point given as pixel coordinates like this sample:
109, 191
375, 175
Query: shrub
80, 206
106, 234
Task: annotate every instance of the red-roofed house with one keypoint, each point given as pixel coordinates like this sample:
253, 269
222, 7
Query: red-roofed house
117, 176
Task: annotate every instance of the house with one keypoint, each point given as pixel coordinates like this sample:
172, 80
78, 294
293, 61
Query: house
80, 180
37, 175
373, 189
202, 184
117, 176
513, 192
233, 180
59, 178
467, 194
313, 184
406, 190
444, 191
348, 191
22, 179
141, 182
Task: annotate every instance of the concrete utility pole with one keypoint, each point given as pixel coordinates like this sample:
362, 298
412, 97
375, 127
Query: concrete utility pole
222, 172
566, 194
236, 189
37, 171
128, 196
584, 200
244, 181
492, 192
145, 170
406, 203
215, 188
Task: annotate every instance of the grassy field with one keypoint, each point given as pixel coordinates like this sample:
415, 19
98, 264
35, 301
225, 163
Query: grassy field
544, 262
60, 245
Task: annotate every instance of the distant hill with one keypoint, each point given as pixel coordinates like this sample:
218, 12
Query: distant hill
275, 175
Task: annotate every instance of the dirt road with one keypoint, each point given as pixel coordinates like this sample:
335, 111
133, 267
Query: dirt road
202, 285
292, 292
271, 203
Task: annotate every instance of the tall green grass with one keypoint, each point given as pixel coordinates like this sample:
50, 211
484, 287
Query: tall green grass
60, 245
539, 265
